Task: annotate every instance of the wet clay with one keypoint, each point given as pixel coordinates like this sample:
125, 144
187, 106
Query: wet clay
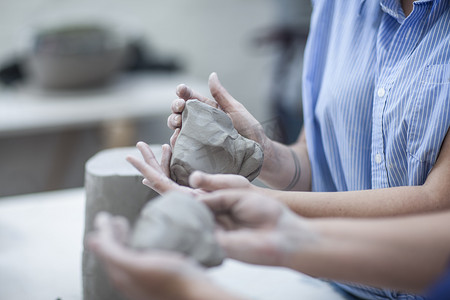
208, 142
178, 222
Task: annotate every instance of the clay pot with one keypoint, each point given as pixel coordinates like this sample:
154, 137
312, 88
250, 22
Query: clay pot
75, 57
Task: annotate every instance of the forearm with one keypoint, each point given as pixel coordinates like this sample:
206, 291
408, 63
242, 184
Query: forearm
289, 163
397, 253
433, 195
365, 203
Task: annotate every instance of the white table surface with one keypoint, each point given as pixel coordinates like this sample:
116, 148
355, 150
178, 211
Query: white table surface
29, 109
41, 246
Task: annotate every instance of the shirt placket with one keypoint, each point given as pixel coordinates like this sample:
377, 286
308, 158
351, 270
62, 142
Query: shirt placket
379, 172
408, 36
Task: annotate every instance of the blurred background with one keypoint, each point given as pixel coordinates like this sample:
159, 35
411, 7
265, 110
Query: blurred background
79, 76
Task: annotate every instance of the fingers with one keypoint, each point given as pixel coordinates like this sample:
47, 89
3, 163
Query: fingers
147, 154
103, 241
139, 275
154, 174
221, 202
209, 182
121, 229
222, 100
154, 179
104, 244
245, 208
178, 106
231, 242
146, 182
220, 94
174, 121
186, 93
174, 137
165, 159
225, 222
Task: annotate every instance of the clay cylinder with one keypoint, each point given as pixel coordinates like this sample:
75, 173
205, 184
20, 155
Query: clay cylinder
114, 186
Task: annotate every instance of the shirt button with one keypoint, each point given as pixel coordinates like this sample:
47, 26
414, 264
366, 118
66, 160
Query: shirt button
378, 158
381, 92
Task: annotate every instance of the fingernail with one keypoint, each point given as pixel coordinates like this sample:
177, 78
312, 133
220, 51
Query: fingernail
180, 86
178, 105
183, 91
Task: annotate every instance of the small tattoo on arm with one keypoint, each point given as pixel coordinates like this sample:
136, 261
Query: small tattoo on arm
296, 177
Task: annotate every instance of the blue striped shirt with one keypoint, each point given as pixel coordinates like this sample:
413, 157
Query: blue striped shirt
375, 92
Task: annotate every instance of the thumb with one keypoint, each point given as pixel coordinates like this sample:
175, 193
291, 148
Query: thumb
213, 182
220, 94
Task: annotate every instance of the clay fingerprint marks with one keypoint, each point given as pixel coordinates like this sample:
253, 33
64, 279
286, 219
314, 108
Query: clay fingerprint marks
178, 222
208, 142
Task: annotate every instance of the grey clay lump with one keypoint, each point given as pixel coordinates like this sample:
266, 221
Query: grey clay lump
178, 222
208, 142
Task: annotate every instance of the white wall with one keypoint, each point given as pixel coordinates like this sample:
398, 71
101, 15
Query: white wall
208, 35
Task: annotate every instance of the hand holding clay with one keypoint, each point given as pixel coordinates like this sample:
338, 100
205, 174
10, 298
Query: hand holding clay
209, 142
242, 120
156, 175
143, 275
178, 222
256, 229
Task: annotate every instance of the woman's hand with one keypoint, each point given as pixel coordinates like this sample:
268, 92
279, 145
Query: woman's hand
255, 228
242, 120
290, 164
146, 275
157, 175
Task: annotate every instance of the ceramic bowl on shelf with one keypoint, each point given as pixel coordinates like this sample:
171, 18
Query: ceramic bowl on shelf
75, 56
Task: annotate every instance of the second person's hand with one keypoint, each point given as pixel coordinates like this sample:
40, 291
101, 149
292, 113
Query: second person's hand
157, 175
151, 274
257, 229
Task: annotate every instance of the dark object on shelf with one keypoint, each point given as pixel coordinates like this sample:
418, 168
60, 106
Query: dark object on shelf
11, 72
82, 56
140, 58
75, 56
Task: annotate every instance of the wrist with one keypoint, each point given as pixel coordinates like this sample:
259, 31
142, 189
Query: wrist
277, 160
301, 238
270, 154
257, 134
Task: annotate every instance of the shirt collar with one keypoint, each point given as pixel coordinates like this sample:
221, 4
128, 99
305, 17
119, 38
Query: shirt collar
394, 8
